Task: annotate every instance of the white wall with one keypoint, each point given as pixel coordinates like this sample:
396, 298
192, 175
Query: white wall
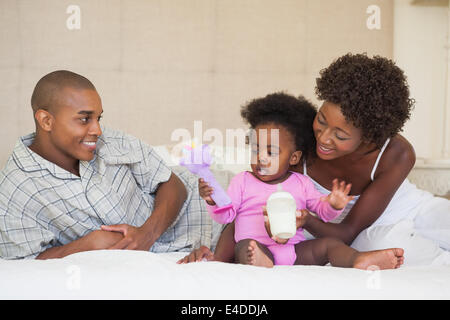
159, 65
420, 49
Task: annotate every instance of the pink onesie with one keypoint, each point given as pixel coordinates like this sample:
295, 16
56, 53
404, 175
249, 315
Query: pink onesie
249, 194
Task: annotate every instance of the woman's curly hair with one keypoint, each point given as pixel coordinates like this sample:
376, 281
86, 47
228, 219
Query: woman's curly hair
294, 114
373, 94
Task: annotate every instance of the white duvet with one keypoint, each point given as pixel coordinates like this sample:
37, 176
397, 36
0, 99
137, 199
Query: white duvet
117, 274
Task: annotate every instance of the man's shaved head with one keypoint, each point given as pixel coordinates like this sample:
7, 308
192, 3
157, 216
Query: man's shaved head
49, 88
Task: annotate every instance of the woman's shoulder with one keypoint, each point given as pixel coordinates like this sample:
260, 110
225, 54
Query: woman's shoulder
399, 154
399, 146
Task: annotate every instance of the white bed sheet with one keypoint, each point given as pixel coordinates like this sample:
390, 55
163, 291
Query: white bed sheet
116, 274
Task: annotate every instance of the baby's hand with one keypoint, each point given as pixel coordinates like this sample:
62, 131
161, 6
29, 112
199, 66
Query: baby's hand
300, 220
205, 192
338, 198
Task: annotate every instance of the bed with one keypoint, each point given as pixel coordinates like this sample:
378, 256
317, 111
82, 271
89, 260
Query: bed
117, 274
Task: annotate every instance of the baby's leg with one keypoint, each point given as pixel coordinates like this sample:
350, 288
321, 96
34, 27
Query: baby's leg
324, 250
249, 251
283, 254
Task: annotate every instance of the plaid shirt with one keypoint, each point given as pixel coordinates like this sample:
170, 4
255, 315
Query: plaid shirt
43, 205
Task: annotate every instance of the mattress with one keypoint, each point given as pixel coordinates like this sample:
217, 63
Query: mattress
125, 274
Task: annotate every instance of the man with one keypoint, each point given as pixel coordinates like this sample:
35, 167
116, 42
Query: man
72, 186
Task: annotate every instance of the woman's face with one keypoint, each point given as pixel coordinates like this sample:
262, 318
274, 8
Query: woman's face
334, 135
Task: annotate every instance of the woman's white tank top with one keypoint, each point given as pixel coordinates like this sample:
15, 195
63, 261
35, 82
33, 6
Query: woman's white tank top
402, 206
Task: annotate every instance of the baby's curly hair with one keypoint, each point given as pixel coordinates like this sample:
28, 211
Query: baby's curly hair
294, 114
373, 94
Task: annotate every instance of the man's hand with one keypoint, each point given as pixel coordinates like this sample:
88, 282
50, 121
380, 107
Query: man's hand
202, 253
301, 217
133, 238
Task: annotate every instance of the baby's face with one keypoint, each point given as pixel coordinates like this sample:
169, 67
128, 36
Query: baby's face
273, 152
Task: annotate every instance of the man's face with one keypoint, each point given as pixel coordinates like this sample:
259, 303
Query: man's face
75, 127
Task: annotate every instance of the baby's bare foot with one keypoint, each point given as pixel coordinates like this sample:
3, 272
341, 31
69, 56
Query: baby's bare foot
379, 259
256, 256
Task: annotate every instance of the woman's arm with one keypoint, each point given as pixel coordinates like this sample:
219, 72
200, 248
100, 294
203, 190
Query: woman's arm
394, 167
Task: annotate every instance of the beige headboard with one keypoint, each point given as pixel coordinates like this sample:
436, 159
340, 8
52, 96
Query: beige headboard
161, 64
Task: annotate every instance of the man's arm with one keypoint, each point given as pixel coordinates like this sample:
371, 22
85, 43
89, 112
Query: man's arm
95, 240
169, 199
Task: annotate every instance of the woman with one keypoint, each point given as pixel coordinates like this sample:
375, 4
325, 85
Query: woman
366, 103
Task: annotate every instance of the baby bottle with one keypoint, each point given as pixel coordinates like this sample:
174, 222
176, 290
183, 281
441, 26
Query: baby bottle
281, 208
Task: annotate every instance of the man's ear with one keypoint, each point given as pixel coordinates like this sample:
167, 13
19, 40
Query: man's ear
295, 158
44, 119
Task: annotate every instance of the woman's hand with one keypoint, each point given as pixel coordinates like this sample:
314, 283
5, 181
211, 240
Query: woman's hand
205, 192
338, 198
202, 253
301, 216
